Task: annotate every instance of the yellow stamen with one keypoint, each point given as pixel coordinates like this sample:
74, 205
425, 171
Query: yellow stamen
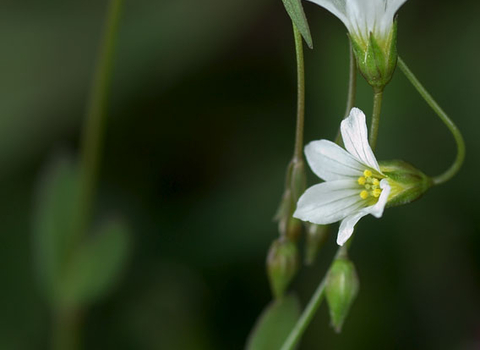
367, 173
376, 192
376, 182
364, 194
367, 186
361, 180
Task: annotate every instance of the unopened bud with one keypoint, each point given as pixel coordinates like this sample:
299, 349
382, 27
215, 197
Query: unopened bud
315, 239
377, 57
298, 180
406, 182
282, 265
341, 290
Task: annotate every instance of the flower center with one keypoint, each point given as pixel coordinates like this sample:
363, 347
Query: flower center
371, 185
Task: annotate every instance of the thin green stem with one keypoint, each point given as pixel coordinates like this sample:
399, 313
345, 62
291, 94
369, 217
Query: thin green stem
93, 129
352, 90
316, 300
377, 108
298, 152
457, 164
67, 320
66, 328
310, 310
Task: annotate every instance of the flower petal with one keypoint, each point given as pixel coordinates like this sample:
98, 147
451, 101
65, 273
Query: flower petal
330, 162
348, 223
329, 202
391, 7
377, 209
355, 138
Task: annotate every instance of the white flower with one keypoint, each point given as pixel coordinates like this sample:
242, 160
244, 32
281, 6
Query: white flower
354, 184
362, 17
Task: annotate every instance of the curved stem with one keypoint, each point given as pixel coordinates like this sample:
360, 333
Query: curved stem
377, 107
298, 151
310, 310
456, 165
352, 90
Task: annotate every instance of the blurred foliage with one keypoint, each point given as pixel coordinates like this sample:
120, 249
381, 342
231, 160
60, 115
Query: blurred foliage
274, 324
200, 131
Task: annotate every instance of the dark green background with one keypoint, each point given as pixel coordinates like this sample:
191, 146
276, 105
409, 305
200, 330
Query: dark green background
200, 130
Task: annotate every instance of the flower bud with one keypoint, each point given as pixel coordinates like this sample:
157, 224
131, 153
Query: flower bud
341, 290
376, 56
298, 180
315, 239
282, 265
407, 183
288, 226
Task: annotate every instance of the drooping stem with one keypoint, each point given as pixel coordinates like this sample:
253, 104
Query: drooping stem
93, 129
377, 108
457, 164
298, 151
310, 310
352, 90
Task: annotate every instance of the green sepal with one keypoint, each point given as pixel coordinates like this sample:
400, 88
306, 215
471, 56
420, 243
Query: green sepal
282, 265
377, 62
297, 15
274, 324
407, 182
341, 291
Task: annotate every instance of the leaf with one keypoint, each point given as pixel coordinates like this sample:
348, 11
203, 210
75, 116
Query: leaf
55, 209
96, 266
297, 15
274, 324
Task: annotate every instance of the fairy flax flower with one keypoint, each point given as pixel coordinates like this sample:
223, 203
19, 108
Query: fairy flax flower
354, 184
372, 29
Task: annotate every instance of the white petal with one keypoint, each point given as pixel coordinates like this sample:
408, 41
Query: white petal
391, 7
336, 7
355, 138
347, 225
377, 209
329, 202
329, 161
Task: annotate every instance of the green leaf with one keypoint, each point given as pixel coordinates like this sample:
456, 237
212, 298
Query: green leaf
274, 324
297, 15
54, 217
96, 265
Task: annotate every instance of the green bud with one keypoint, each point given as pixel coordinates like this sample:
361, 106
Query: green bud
315, 239
295, 185
377, 57
282, 265
341, 290
407, 183
298, 181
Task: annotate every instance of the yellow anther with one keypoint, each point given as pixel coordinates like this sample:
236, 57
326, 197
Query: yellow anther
367, 173
367, 186
364, 194
376, 182
361, 180
376, 192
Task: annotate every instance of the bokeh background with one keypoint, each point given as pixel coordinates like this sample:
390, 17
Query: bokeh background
200, 130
